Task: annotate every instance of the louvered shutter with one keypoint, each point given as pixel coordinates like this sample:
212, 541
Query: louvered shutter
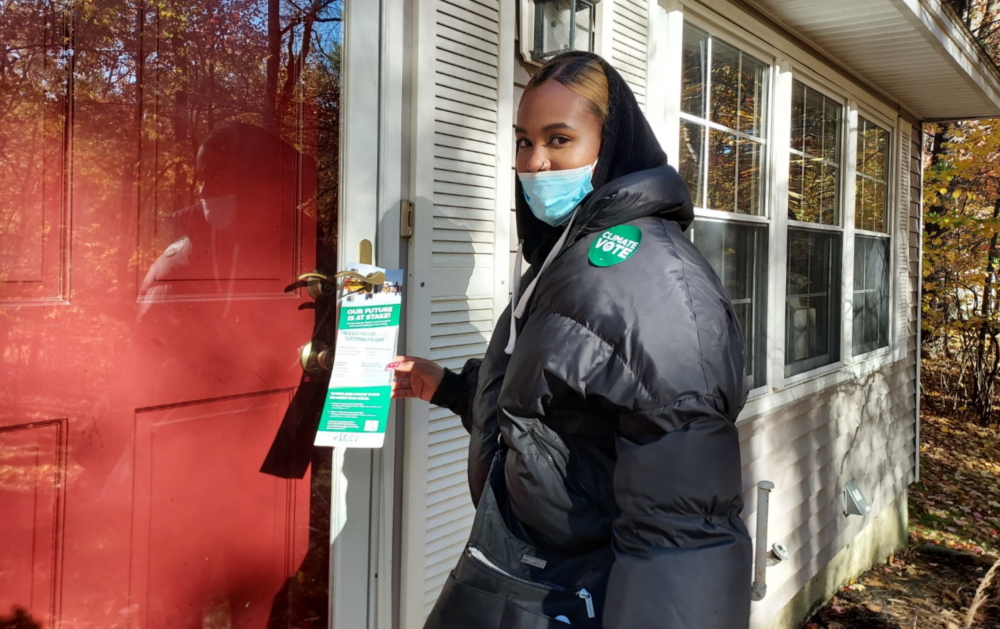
629, 44
902, 310
458, 263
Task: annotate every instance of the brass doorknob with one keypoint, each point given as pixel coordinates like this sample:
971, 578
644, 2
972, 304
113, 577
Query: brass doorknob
319, 285
316, 357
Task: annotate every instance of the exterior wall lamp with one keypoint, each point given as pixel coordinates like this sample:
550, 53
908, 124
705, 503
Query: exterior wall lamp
550, 27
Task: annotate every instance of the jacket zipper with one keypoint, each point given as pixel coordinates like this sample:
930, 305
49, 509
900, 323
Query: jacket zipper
476, 553
585, 595
545, 446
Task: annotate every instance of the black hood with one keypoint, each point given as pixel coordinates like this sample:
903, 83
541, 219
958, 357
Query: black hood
658, 192
631, 170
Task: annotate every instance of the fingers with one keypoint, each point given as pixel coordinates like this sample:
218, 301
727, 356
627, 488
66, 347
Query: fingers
407, 360
405, 365
414, 377
402, 389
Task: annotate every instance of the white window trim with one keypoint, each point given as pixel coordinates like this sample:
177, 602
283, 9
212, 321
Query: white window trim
720, 215
819, 227
865, 232
760, 40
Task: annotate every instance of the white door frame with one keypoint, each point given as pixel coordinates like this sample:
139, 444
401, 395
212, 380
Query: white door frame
362, 496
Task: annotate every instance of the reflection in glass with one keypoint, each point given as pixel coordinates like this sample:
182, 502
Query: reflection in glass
749, 190
871, 185
690, 168
247, 195
738, 254
812, 301
871, 294
753, 92
726, 84
814, 175
693, 71
721, 171
726, 101
179, 200
798, 116
33, 66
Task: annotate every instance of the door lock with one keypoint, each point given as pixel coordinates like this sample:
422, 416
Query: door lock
318, 285
316, 357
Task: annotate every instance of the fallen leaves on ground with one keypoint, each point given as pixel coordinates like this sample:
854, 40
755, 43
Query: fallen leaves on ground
919, 587
954, 514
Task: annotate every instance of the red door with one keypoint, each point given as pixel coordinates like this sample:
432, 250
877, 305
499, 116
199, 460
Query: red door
166, 171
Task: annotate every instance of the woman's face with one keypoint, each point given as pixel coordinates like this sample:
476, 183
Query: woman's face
556, 130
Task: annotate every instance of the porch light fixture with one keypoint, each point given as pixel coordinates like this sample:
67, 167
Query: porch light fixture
557, 26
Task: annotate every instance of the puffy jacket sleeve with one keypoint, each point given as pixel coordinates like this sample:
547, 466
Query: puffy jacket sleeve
682, 554
457, 391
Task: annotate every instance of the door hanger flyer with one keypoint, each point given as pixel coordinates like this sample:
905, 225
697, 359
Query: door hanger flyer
357, 403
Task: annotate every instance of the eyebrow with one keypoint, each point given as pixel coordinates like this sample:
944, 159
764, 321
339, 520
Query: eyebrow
547, 128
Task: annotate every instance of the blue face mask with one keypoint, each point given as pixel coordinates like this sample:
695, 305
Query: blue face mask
552, 195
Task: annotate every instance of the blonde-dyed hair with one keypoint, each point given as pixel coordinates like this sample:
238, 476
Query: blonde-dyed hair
582, 74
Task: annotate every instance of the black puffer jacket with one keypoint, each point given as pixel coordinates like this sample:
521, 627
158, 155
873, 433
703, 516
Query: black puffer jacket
617, 409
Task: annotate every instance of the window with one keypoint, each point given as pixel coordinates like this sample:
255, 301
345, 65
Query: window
814, 177
723, 105
724, 152
812, 301
871, 294
723, 147
871, 186
738, 254
812, 292
871, 248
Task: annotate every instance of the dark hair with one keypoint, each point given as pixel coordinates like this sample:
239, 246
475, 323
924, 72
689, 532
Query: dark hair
584, 76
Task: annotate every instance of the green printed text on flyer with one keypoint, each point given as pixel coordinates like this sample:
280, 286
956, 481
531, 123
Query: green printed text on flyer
357, 402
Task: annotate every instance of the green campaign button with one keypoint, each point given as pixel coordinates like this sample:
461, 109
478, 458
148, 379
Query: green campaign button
615, 245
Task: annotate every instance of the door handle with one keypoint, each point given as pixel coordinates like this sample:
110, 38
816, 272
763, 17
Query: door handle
320, 286
316, 357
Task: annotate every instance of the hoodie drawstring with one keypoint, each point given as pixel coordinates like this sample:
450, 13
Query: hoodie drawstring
522, 303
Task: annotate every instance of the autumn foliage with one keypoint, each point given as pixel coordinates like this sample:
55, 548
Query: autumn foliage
961, 257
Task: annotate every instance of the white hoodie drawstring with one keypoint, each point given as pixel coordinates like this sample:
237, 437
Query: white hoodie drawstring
522, 303
517, 288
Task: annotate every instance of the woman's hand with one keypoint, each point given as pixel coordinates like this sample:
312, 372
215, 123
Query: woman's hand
415, 377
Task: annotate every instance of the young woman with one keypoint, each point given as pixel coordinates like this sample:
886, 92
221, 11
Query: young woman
604, 460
